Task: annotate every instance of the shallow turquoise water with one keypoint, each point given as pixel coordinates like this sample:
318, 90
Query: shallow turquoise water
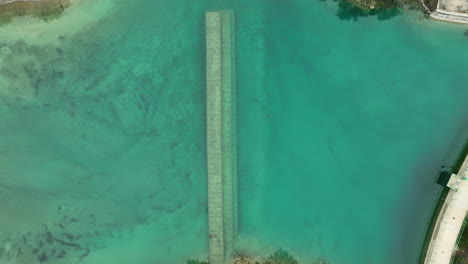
343, 126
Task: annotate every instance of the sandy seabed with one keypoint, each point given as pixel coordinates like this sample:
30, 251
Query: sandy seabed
94, 167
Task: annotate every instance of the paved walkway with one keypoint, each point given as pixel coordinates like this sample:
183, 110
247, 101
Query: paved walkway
455, 11
450, 221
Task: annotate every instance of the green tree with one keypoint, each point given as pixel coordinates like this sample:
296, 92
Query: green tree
197, 262
280, 256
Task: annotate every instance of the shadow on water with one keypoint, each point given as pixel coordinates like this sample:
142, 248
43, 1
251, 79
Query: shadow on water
349, 11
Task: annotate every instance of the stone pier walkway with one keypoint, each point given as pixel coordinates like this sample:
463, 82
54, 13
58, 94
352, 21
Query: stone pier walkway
221, 134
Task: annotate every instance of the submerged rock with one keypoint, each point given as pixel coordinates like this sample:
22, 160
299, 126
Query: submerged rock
42, 9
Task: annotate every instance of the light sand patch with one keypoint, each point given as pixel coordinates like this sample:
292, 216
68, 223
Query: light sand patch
80, 15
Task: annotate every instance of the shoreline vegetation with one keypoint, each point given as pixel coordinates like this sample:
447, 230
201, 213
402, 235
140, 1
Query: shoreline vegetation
348, 9
369, 5
42, 9
461, 253
280, 256
382, 9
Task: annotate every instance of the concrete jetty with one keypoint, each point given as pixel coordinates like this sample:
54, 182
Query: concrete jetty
221, 134
451, 219
454, 11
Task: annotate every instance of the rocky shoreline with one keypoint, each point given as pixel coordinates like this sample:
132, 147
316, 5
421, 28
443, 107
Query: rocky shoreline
385, 4
372, 6
12, 1
50, 9
42, 9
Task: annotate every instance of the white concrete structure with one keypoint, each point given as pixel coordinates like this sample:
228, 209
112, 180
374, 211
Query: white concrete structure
450, 220
455, 11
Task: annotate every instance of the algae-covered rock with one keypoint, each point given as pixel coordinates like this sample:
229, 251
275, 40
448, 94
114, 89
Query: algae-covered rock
376, 5
196, 262
281, 256
42, 9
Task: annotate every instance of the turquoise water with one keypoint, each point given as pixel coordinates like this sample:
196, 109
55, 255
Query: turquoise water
343, 125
